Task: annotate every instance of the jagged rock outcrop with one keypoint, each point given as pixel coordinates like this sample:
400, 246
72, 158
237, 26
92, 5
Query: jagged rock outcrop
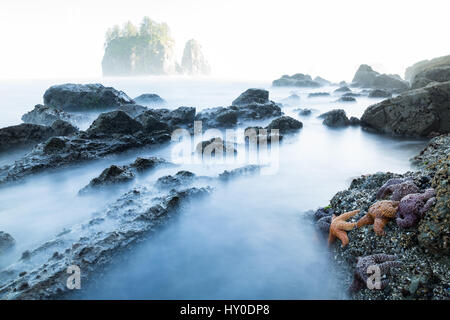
427, 76
296, 80
114, 122
84, 97
129, 51
414, 113
117, 175
424, 65
378, 93
214, 147
45, 115
6, 242
165, 119
26, 134
366, 77
193, 61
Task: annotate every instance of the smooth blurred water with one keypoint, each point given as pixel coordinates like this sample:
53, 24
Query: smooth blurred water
249, 239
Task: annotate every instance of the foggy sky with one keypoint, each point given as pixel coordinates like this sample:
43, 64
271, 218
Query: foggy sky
241, 39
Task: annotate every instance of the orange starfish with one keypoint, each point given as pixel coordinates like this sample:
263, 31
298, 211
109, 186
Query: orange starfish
339, 226
379, 215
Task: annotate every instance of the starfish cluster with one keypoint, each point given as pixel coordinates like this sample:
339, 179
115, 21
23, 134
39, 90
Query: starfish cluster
412, 207
379, 215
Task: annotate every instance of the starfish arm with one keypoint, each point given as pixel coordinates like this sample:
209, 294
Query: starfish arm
347, 215
364, 221
342, 235
347, 226
381, 257
385, 267
430, 202
378, 226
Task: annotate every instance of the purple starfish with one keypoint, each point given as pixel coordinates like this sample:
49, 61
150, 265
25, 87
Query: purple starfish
413, 207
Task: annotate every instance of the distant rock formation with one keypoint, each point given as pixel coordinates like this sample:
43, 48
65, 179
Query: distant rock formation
148, 50
366, 77
296, 80
423, 65
193, 61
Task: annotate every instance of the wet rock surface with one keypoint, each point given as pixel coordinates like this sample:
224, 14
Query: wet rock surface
84, 97
335, 118
214, 147
421, 250
46, 116
93, 245
26, 134
251, 96
437, 74
414, 113
378, 93
285, 124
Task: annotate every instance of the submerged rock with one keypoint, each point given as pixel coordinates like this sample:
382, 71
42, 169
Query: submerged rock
240, 172
414, 113
335, 118
343, 89
7, 242
84, 97
318, 94
26, 134
304, 112
346, 99
180, 179
149, 99
296, 80
118, 175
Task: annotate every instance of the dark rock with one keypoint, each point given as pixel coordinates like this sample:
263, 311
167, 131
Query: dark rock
87, 97
214, 147
114, 122
366, 77
323, 212
133, 110
180, 179
379, 93
354, 121
285, 124
240, 172
25, 135
252, 96
414, 113
145, 164
218, 117
346, 99
343, 89
45, 115
335, 118
151, 122
7, 242
110, 176
318, 94
351, 94
297, 80
304, 112
149, 99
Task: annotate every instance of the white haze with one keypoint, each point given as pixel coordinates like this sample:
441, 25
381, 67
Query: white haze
241, 39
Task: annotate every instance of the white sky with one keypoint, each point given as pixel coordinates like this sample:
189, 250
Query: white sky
246, 39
